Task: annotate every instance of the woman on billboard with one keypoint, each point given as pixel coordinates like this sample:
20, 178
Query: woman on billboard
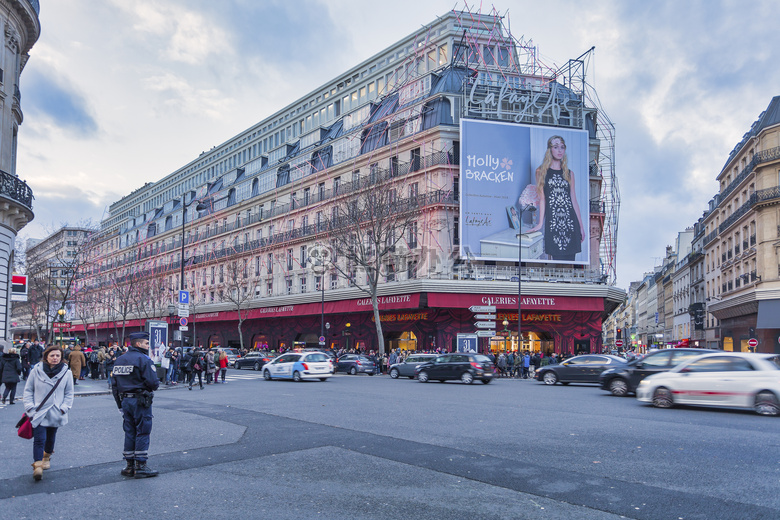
559, 212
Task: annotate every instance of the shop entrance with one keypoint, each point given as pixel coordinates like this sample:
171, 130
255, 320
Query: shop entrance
532, 342
401, 340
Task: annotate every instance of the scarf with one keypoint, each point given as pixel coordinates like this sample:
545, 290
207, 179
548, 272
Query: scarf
52, 371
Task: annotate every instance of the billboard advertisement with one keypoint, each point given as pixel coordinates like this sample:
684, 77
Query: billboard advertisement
523, 193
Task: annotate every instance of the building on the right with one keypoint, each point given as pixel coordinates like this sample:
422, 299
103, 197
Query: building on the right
742, 243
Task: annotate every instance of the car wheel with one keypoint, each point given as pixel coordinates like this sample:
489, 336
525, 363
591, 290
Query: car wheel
662, 398
411, 377
266, 375
549, 378
352, 371
371, 373
766, 404
257, 367
422, 377
467, 378
564, 383
323, 379
297, 377
235, 365
394, 373
618, 387
486, 381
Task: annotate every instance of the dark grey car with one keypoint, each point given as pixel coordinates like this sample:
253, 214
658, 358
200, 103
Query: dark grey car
406, 369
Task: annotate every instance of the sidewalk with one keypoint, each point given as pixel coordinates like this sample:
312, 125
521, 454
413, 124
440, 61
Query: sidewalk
100, 387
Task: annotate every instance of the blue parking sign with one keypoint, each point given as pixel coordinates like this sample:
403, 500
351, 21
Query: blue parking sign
184, 297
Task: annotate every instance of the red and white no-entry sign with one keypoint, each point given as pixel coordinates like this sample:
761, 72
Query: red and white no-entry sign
752, 342
619, 343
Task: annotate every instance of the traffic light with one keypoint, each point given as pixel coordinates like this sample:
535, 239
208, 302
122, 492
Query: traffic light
620, 334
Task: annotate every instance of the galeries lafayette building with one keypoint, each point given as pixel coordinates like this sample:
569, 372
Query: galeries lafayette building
563, 317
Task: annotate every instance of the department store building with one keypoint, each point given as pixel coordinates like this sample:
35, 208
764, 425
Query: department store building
265, 197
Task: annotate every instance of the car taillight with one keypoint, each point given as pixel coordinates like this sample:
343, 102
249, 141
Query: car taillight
476, 365
305, 366
358, 362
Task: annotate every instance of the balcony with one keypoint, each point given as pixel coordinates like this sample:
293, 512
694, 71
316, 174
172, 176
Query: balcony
760, 157
15, 189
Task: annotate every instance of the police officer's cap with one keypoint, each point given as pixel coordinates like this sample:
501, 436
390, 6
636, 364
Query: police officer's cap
139, 335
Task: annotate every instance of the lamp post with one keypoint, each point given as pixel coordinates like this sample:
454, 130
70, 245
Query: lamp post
184, 205
61, 318
530, 208
319, 256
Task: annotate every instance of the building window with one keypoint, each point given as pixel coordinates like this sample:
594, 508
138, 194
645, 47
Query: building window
289, 259
334, 281
269, 288
288, 281
303, 283
270, 263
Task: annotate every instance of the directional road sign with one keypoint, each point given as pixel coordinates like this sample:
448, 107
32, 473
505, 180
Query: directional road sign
485, 324
183, 311
482, 308
485, 333
484, 316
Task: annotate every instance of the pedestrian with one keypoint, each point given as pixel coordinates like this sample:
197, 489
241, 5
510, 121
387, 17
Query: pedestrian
526, 364
135, 380
48, 379
165, 363
110, 360
35, 354
223, 363
94, 363
76, 362
175, 362
518, 367
211, 368
24, 356
196, 365
102, 356
10, 372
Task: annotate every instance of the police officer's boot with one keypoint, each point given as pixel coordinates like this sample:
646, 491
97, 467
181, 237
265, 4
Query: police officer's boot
143, 471
129, 470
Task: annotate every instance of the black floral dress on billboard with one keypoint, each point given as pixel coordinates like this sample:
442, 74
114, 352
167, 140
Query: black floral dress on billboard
562, 233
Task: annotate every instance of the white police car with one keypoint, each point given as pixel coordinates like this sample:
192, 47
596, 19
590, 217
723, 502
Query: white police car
299, 366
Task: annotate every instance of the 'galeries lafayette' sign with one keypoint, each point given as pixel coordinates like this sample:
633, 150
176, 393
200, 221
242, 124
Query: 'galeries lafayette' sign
386, 300
507, 302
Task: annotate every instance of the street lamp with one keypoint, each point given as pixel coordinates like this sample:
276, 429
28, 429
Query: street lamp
199, 207
61, 318
523, 208
319, 256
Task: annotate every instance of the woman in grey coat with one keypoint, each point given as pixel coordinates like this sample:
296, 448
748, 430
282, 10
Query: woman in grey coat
54, 413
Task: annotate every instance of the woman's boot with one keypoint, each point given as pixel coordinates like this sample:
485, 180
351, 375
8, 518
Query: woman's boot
46, 462
37, 470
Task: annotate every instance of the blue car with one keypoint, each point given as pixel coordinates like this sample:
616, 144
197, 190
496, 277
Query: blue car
299, 366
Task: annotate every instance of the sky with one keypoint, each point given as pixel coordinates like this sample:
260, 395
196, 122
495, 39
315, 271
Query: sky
118, 93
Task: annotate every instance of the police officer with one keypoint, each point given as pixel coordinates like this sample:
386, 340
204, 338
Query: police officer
134, 379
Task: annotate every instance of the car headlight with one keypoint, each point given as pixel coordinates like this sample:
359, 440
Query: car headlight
643, 382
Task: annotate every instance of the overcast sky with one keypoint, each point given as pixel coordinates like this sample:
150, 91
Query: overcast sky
118, 93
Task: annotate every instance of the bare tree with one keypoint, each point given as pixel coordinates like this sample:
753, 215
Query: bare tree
237, 290
368, 227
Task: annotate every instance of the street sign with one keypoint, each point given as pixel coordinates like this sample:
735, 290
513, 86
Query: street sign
184, 328
482, 308
753, 342
467, 343
184, 297
321, 339
184, 312
484, 316
322, 343
485, 333
619, 343
19, 288
58, 325
183, 321
485, 324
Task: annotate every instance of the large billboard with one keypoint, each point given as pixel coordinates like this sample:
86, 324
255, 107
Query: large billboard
523, 191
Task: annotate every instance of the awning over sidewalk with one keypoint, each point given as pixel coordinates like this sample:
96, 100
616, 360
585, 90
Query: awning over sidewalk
768, 314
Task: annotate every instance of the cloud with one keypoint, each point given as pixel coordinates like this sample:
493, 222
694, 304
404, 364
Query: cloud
180, 97
59, 104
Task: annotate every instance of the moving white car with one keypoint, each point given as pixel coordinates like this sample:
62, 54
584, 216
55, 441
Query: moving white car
724, 379
299, 366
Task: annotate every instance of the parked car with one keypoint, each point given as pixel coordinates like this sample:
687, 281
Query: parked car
460, 365
580, 369
255, 360
354, 363
408, 366
622, 380
723, 379
299, 366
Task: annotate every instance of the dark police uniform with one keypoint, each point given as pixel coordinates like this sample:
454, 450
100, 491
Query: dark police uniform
134, 378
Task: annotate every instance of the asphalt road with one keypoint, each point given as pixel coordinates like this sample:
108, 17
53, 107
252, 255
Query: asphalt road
372, 447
